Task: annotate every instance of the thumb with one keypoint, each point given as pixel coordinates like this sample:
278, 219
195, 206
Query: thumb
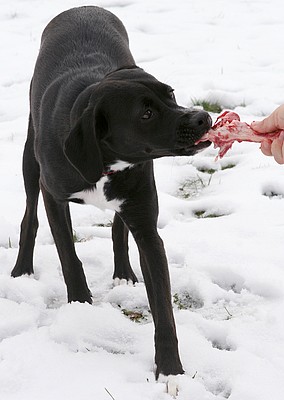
273, 122
265, 126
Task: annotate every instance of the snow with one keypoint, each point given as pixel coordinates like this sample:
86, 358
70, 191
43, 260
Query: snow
223, 231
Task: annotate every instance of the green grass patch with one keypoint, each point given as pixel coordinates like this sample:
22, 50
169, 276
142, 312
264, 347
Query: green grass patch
203, 214
228, 166
77, 238
136, 316
185, 301
210, 106
209, 171
192, 187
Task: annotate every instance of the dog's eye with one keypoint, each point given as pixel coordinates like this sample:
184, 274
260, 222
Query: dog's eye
148, 114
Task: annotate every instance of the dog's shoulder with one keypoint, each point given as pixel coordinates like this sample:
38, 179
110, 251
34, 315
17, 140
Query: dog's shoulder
85, 20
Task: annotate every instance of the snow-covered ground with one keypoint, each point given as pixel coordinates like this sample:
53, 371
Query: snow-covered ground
222, 222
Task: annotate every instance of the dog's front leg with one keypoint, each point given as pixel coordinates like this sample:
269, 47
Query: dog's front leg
58, 214
156, 276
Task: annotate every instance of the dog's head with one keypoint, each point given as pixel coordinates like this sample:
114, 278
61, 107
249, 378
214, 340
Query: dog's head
133, 117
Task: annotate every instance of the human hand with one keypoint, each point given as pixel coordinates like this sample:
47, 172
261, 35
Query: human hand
270, 124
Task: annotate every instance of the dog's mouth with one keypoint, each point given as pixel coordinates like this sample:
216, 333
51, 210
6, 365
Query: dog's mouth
184, 144
189, 150
189, 133
150, 153
186, 141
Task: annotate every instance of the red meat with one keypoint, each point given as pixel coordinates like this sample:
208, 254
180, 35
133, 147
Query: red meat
228, 128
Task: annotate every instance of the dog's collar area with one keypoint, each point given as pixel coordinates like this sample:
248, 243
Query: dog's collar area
108, 172
116, 167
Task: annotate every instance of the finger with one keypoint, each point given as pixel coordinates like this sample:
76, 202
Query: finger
265, 126
266, 147
277, 150
272, 123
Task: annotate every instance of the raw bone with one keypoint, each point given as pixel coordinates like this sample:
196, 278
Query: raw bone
228, 128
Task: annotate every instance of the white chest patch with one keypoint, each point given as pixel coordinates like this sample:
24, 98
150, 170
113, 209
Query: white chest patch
96, 196
120, 165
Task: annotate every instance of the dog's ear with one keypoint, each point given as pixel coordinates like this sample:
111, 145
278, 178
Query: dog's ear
82, 148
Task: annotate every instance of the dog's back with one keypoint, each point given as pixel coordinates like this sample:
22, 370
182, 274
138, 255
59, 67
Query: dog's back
76, 42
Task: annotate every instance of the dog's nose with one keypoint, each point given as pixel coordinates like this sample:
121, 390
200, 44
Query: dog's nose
192, 126
201, 120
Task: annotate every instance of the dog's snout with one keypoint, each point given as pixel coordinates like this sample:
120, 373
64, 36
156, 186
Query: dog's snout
193, 125
201, 119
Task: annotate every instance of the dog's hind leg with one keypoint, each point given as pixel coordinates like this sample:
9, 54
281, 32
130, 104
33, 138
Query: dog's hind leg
58, 214
29, 225
122, 267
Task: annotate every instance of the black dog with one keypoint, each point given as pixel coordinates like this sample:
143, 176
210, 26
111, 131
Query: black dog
96, 123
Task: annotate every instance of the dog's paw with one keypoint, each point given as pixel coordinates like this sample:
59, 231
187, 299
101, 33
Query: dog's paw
171, 382
122, 282
172, 386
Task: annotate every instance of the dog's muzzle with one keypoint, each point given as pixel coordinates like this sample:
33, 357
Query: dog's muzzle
192, 127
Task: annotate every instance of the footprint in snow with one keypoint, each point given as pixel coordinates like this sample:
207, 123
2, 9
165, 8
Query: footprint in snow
273, 191
218, 387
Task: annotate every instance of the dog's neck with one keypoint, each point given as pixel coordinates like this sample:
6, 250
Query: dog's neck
107, 172
116, 167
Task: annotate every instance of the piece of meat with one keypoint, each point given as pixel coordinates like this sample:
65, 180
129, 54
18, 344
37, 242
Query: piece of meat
228, 128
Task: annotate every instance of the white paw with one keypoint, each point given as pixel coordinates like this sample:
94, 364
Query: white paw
122, 282
172, 386
171, 382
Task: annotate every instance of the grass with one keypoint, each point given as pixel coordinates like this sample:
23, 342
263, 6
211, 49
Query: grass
213, 106
191, 187
135, 316
184, 301
104, 225
110, 395
202, 214
228, 166
209, 171
271, 194
207, 105
76, 238
229, 314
